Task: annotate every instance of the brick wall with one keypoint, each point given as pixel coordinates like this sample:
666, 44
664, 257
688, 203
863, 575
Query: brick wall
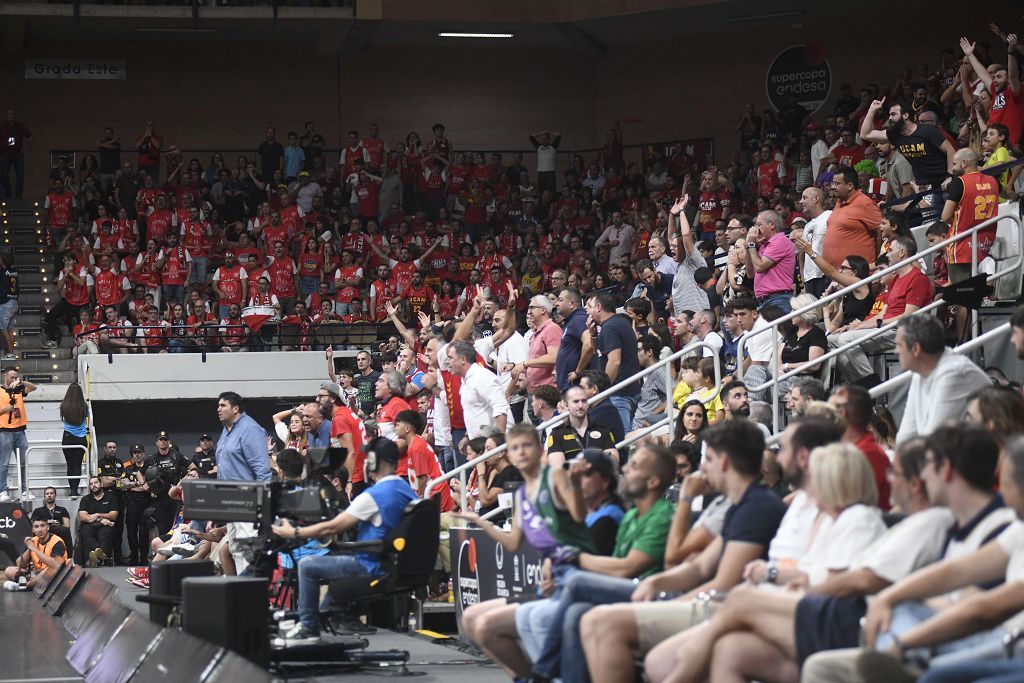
203, 96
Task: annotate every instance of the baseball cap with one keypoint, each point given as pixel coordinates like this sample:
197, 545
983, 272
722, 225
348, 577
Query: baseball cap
205, 436
384, 449
600, 462
303, 173
331, 388
229, 253
138, 448
163, 435
812, 126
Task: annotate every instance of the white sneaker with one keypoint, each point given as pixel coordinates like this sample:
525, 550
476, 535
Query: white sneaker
4, 496
27, 495
13, 586
9, 356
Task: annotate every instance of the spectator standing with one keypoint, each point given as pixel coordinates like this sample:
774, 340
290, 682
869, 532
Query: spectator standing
148, 145
294, 158
657, 249
390, 392
546, 145
1003, 86
619, 238
653, 393
366, 382
942, 380
655, 286
686, 293
75, 285
15, 140
574, 326
812, 204
109, 151
242, 447
73, 413
483, 402
271, 155
13, 421
539, 365
852, 227
618, 352
8, 303
771, 257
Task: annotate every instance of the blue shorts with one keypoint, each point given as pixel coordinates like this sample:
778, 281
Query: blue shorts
825, 622
7, 312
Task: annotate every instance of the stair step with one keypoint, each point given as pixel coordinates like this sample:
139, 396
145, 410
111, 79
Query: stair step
57, 353
30, 309
46, 365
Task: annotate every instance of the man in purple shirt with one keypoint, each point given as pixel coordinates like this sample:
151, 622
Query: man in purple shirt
770, 256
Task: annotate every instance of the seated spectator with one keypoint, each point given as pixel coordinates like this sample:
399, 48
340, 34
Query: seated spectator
611, 635
802, 343
654, 392
856, 406
942, 380
97, 516
691, 422
45, 553
803, 390
909, 291
758, 344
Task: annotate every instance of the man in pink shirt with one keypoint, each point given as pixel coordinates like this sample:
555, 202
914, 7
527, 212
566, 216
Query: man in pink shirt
544, 342
770, 256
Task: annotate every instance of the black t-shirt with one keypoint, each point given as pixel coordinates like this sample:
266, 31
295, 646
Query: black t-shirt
564, 439
205, 461
508, 475
110, 467
130, 468
755, 518
8, 285
797, 349
110, 159
106, 503
56, 515
271, 154
366, 386
856, 309
922, 150
617, 333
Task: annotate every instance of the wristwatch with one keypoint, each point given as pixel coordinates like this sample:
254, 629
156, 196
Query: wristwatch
772, 575
297, 533
751, 245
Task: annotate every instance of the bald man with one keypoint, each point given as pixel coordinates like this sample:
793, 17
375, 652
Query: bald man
812, 205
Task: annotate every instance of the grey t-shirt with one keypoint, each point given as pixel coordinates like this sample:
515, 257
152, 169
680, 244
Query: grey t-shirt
686, 293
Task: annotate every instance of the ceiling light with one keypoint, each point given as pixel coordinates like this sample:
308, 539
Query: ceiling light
475, 35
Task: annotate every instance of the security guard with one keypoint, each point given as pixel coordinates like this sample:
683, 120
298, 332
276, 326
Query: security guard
571, 437
170, 466
204, 460
110, 470
137, 497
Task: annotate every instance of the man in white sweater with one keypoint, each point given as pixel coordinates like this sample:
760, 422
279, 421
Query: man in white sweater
942, 380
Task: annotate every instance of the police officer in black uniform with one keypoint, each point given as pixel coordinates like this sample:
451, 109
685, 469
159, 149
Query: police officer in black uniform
577, 433
204, 460
165, 468
136, 493
110, 470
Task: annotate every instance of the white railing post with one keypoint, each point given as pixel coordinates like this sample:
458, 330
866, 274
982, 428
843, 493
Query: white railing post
669, 388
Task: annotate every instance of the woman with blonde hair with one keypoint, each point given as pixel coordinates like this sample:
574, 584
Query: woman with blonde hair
802, 343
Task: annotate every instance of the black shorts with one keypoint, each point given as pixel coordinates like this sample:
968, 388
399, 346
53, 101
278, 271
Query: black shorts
824, 622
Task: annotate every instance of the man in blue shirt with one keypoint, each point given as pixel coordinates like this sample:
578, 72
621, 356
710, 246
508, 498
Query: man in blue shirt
616, 345
373, 513
574, 324
318, 425
242, 448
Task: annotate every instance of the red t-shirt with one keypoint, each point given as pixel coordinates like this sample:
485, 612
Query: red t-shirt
1007, 109
420, 460
913, 289
880, 464
368, 199
712, 206
345, 421
60, 208
768, 177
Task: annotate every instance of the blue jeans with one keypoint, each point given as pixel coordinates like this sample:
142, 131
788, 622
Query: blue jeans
982, 645
446, 454
563, 654
780, 299
457, 436
313, 570
18, 165
173, 292
626, 405
308, 284
9, 441
176, 345
1000, 671
200, 266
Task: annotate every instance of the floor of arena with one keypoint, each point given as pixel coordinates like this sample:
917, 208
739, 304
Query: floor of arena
33, 645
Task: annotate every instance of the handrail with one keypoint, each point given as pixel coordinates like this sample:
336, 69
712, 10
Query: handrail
1015, 262
41, 445
90, 420
558, 419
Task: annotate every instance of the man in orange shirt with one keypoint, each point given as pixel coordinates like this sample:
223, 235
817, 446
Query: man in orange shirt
853, 225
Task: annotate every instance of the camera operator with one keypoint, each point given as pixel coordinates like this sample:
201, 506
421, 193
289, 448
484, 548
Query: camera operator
165, 468
204, 460
58, 517
110, 470
372, 514
136, 493
98, 513
13, 422
45, 553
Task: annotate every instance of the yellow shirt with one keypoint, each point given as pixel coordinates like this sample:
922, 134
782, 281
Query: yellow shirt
712, 400
1000, 156
681, 394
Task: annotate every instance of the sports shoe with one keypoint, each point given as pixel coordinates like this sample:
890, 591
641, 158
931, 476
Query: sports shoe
4, 496
14, 586
184, 549
9, 356
27, 495
297, 635
49, 344
139, 572
97, 557
164, 552
139, 583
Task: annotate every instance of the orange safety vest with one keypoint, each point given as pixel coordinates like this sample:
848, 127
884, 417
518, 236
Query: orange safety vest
46, 549
10, 423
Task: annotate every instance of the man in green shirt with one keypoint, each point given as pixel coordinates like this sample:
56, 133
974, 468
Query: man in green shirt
549, 629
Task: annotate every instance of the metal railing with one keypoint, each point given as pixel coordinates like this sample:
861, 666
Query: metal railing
666, 363
90, 420
1015, 262
49, 444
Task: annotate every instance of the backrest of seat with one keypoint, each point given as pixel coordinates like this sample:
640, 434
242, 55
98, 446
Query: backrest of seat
412, 544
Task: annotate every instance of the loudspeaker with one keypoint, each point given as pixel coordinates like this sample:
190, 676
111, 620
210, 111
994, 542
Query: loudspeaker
94, 637
72, 580
229, 611
165, 581
124, 652
83, 605
166, 663
233, 668
47, 590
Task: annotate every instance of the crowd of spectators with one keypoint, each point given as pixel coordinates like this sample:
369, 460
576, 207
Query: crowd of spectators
516, 295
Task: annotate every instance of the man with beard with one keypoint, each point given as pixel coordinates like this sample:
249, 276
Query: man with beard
58, 517
639, 548
1003, 86
97, 513
136, 501
204, 460
366, 381
925, 147
570, 438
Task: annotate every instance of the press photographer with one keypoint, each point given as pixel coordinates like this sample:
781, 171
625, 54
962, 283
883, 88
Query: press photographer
372, 514
13, 421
